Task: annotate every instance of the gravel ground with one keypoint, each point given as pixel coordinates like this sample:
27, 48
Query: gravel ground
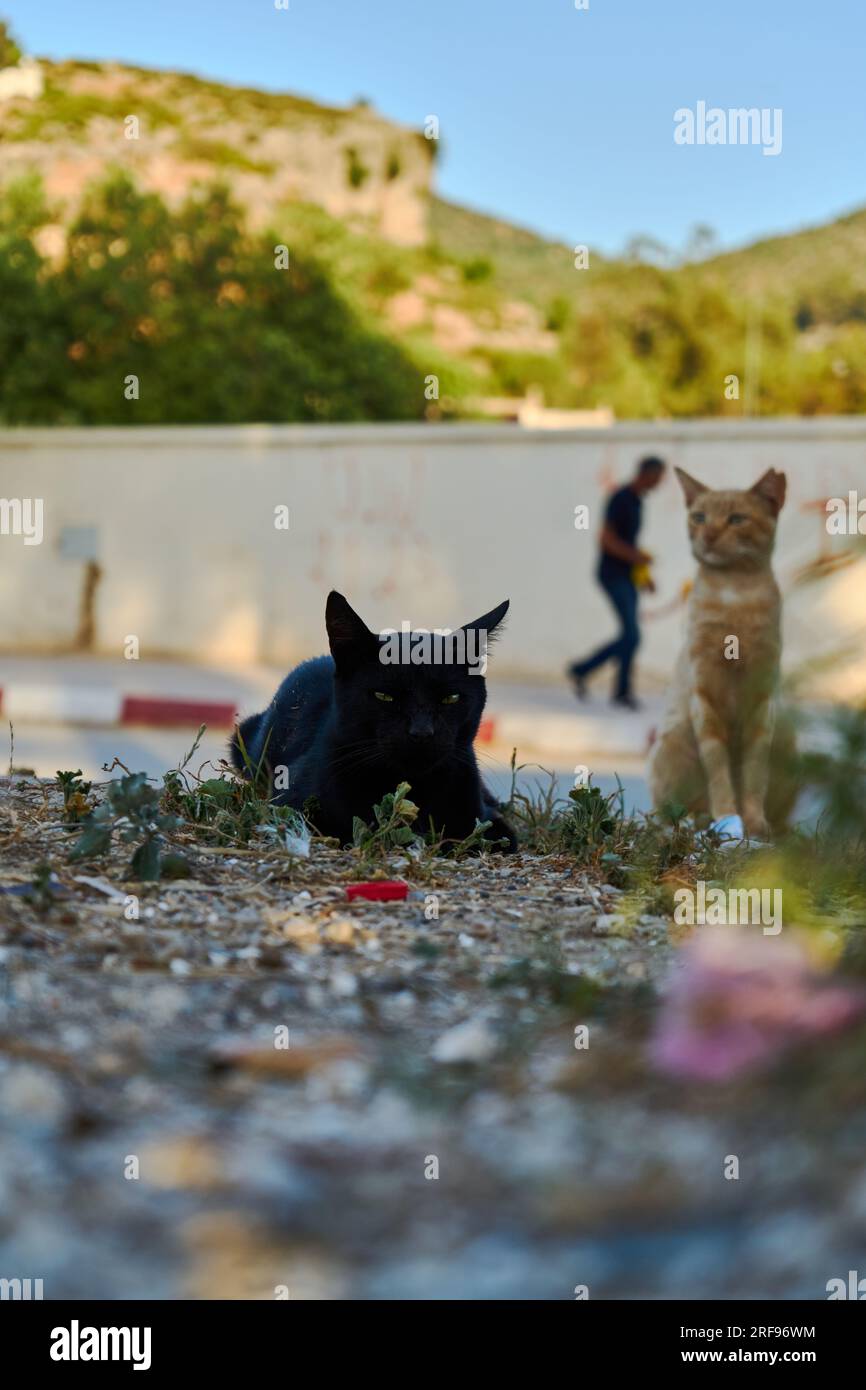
430, 1131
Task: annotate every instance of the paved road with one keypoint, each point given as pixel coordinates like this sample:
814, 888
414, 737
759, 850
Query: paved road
47, 748
542, 721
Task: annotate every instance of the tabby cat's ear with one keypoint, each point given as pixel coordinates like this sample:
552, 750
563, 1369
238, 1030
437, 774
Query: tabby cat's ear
690, 486
490, 621
348, 635
771, 488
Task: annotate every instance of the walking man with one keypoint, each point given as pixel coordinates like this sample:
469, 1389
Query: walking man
619, 574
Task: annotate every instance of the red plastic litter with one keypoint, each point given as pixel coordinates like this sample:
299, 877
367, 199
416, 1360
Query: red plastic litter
385, 891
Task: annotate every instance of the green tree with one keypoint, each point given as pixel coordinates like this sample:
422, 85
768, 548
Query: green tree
10, 53
191, 305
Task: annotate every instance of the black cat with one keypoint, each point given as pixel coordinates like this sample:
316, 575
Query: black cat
347, 728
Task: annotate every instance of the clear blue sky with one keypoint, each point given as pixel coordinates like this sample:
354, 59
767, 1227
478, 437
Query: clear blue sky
561, 120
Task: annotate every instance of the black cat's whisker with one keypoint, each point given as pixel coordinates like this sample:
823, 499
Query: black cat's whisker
496, 764
347, 754
359, 759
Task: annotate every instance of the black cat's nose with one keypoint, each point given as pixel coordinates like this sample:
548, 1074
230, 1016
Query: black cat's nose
421, 727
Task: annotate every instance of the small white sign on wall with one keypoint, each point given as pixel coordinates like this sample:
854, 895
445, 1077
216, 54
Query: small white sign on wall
79, 542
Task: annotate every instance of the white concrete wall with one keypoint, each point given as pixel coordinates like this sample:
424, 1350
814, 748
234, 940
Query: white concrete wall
434, 524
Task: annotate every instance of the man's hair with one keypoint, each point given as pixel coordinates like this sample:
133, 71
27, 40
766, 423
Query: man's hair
651, 464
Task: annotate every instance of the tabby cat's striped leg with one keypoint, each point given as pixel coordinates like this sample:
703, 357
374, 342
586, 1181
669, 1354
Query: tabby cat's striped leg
757, 742
713, 739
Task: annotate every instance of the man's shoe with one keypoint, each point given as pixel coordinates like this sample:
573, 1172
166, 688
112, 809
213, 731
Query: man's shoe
626, 702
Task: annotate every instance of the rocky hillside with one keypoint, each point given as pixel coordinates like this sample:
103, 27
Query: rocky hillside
170, 130
491, 312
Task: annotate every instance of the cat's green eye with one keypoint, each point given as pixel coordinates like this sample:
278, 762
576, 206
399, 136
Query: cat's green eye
450, 699
380, 695
699, 518
736, 518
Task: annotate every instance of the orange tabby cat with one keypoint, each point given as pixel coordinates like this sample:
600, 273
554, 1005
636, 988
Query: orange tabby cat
713, 753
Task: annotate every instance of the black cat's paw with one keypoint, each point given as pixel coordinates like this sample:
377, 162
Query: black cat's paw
501, 830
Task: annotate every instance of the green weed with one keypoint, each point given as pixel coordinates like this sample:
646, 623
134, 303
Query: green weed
131, 810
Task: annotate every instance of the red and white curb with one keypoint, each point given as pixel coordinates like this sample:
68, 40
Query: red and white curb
95, 705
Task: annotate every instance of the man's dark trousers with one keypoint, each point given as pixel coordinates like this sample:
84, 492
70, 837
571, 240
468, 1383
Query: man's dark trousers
623, 595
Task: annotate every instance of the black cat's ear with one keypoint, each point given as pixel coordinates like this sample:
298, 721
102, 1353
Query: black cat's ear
490, 621
348, 635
